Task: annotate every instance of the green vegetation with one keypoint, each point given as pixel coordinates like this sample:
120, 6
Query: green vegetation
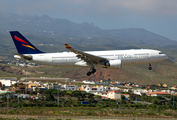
70, 104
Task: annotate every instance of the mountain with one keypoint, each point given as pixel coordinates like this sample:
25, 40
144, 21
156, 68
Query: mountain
49, 35
83, 33
43, 31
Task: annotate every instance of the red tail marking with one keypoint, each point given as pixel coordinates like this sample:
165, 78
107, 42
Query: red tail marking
18, 39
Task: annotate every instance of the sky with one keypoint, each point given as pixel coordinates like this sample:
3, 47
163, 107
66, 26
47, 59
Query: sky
157, 16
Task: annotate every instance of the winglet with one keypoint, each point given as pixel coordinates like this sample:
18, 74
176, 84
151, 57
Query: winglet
67, 46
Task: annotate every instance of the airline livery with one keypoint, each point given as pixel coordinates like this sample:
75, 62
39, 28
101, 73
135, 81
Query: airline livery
105, 59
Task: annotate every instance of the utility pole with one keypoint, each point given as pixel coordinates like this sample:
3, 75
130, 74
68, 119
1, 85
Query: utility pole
7, 101
58, 96
25, 80
173, 101
18, 99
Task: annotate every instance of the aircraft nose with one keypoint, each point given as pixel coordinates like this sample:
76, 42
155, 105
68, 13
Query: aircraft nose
165, 56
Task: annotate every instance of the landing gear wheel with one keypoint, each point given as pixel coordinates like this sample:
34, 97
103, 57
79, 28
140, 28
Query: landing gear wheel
150, 68
94, 70
89, 73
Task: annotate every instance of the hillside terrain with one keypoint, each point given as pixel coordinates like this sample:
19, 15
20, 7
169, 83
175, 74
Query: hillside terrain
162, 72
83, 33
50, 35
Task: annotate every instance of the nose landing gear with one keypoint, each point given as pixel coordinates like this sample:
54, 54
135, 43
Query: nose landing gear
150, 68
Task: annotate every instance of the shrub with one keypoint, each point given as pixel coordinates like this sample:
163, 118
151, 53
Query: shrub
12, 111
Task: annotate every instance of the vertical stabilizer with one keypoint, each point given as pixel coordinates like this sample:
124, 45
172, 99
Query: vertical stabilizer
22, 44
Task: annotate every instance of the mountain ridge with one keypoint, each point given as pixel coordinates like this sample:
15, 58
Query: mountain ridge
63, 28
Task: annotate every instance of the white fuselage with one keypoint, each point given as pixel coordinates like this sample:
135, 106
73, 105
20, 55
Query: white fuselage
127, 57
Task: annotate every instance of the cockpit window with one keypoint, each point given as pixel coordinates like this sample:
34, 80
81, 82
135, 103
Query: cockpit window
160, 52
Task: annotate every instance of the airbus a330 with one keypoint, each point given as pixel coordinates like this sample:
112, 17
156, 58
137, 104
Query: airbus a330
105, 59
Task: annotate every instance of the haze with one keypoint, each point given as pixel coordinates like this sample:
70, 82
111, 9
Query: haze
158, 16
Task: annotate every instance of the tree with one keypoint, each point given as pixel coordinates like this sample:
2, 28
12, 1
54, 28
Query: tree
76, 93
33, 93
15, 85
69, 93
144, 97
122, 99
3, 87
132, 96
156, 101
83, 93
17, 91
48, 95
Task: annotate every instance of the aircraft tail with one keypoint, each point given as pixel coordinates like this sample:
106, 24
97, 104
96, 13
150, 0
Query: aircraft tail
22, 44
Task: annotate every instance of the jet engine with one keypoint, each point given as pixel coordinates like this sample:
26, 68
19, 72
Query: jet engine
114, 63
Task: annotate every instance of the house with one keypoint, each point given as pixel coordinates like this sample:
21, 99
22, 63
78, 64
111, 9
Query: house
54, 86
31, 86
105, 82
164, 85
158, 93
21, 96
88, 82
114, 95
8, 82
69, 80
91, 89
19, 87
68, 87
137, 92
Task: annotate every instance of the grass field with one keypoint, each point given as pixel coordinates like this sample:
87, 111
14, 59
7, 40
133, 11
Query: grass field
90, 111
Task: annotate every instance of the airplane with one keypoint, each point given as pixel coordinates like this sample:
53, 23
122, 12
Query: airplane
75, 58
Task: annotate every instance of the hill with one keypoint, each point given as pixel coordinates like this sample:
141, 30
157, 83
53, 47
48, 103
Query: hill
162, 72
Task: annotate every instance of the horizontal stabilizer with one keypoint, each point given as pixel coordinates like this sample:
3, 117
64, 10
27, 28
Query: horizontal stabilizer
27, 57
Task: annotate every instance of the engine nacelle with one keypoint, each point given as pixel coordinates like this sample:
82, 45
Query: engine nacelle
114, 63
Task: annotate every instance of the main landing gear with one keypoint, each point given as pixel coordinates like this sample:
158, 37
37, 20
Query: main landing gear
92, 71
150, 68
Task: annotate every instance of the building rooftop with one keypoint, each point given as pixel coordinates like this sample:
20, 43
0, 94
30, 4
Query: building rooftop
159, 92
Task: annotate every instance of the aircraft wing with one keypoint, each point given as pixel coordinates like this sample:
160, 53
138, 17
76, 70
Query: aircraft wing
88, 58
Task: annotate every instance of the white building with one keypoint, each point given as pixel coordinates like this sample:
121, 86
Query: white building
91, 89
69, 87
88, 82
138, 92
114, 95
8, 82
54, 86
21, 95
